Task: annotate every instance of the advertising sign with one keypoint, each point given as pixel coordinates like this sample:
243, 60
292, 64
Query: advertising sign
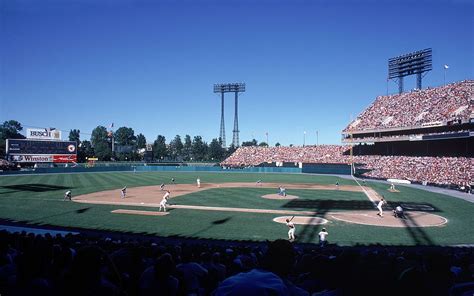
43, 158
31, 158
43, 134
37, 147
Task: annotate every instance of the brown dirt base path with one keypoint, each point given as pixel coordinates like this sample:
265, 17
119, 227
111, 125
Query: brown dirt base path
150, 196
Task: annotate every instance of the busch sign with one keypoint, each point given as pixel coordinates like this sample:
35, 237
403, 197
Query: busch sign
43, 134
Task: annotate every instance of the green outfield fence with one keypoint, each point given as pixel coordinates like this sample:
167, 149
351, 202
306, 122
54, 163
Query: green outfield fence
340, 169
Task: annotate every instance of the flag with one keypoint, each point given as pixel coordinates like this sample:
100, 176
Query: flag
111, 125
446, 66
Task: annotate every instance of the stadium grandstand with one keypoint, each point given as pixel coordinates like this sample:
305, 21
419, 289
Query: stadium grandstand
424, 136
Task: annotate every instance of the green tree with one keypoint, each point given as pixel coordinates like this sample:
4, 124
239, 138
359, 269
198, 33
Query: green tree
176, 147
84, 151
249, 143
141, 141
277, 144
75, 135
159, 148
125, 136
125, 144
263, 144
101, 142
187, 149
230, 150
9, 130
216, 152
199, 148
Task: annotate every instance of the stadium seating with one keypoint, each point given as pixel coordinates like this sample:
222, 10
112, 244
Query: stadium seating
446, 171
417, 108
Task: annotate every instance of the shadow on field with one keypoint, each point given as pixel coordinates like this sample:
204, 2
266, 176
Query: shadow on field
34, 188
221, 221
78, 211
213, 223
309, 233
324, 205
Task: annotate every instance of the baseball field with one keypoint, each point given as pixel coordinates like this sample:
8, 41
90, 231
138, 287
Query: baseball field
234, 206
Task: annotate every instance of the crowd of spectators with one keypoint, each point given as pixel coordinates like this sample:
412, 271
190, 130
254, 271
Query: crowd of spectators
445, 171
80, 265
432, 170
255, 155
404, 137
411, 109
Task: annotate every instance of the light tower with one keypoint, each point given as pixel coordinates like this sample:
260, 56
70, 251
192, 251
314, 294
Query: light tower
235, 88
415, 63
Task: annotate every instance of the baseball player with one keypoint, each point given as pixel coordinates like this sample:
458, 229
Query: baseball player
398, 212
67, 195
198, 181
379, 207
164, 201
281, 191
291, 229
123, 192
392, 187
162, 186
322, 237
337, 185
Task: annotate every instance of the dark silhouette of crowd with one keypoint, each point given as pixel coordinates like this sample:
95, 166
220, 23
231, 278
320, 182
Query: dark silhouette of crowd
95, 265
6, 165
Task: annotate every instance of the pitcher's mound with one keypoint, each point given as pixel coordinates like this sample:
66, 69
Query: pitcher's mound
276, 196
412, 219
136, 212
302, 220
393, 190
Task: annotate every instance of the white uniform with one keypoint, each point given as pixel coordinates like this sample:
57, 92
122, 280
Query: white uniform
164, 201
198, 181
379, 206
322, 237
291, 230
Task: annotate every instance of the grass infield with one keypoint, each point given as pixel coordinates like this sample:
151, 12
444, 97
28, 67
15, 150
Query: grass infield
37, 200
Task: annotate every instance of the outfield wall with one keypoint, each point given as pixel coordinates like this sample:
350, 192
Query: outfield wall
340, 169
129, 168
216, 169
326, 168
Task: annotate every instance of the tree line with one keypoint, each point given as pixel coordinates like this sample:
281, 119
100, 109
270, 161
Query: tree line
131, 147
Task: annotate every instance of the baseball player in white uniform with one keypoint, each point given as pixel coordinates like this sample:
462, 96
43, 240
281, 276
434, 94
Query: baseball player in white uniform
198, 181
164, 201
379, 207
322, 237
291, 229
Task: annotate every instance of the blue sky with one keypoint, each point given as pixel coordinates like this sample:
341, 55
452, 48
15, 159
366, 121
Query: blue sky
151, 65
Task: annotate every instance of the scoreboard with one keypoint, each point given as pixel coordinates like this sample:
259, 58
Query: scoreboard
26, 150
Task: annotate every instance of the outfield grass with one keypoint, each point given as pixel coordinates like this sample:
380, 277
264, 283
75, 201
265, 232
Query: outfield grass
37, 199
